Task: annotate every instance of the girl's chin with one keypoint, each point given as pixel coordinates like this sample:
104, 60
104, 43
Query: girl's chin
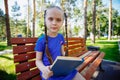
54, 31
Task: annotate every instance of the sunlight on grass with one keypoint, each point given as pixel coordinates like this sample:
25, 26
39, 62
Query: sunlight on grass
7, 67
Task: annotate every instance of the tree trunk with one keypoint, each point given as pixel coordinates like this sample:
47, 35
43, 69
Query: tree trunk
64, 28
85, 19
110, 20
62, 4
93, 22
34, 14
28, 23
7, 23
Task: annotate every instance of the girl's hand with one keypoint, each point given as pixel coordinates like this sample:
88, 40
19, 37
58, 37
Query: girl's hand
46, 72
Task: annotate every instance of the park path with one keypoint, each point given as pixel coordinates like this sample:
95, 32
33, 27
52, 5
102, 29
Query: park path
111, 71
6, 52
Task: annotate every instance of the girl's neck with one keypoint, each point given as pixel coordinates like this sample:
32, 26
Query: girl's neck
52, 34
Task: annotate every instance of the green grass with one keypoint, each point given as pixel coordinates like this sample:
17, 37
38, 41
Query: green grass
7, 67
3, 46
110, 48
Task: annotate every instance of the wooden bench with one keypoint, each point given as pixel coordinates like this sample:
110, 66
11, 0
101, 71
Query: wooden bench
24, 57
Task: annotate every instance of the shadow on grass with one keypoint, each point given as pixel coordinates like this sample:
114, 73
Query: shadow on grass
6, 76
2, 47
2, 56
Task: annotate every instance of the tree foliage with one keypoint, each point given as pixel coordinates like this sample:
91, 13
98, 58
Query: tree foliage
74, 10
2, 25
18, 26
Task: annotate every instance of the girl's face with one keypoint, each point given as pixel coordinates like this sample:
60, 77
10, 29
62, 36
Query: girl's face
54, 20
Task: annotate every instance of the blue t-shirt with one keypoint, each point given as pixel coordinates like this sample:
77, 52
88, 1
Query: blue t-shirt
54, 46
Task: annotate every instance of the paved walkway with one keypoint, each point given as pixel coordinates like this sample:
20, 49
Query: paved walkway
6, 52
112, 71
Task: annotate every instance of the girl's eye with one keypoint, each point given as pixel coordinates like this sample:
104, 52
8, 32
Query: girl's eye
51, 19
58, 19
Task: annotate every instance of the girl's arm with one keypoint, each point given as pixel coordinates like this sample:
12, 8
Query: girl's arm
62, 50
46, 73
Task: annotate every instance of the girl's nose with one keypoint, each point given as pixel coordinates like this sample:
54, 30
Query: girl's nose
54, 22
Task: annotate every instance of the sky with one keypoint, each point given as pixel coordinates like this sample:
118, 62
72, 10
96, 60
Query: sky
22, 3
115, 4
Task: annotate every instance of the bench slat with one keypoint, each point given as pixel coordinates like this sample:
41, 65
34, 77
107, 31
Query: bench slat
23, 40
24, 57
88, 60
23, 49
77, 51
76, 38
74, 46
36, 78
25, 66
93, 66
28, 75
77, 54
81, 53
75, 42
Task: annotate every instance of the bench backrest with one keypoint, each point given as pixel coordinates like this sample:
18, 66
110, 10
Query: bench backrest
24, 55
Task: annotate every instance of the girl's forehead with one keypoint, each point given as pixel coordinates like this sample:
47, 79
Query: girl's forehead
55, 12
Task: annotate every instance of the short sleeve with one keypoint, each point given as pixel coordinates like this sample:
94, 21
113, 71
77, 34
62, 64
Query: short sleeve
63, 40
40, 45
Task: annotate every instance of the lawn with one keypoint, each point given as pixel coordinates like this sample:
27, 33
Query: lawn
110, 48
3, 46
7, 67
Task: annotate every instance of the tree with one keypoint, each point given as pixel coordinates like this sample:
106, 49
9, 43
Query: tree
62, 4
15, 13
28, 23
99, 17
117, 28
115, 23
72, 11
76, 30
2, 25
93, 22
40, 5
7, 23
1, 13
85, 19
34, 17
110, 20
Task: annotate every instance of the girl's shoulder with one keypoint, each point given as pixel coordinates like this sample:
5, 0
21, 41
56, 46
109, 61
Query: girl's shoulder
60, 35
41, 38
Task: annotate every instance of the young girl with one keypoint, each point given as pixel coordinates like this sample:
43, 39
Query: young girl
54, 18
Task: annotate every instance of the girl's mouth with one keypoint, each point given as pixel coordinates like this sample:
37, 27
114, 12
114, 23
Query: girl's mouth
54, 28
